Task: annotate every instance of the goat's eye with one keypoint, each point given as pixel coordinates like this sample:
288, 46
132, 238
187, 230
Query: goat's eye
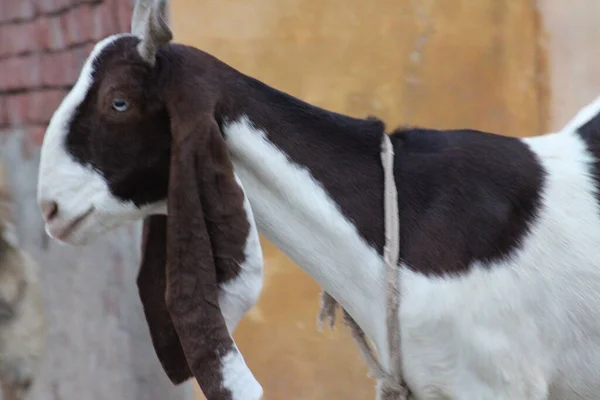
120, 105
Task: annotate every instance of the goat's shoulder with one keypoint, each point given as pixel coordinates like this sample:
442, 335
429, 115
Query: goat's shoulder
466, 196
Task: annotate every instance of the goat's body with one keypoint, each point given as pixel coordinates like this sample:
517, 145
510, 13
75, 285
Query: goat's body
521, 326
499, 236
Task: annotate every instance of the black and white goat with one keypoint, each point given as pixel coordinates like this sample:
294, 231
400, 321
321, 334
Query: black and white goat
500, 236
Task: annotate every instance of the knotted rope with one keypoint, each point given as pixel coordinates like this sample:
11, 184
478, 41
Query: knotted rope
391, 385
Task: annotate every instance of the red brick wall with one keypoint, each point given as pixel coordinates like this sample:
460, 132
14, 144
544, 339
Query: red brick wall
43, 45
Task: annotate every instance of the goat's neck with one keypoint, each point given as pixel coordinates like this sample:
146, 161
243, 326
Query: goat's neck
315, 183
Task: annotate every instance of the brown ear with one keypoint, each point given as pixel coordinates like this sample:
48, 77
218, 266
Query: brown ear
152, 283
207, 227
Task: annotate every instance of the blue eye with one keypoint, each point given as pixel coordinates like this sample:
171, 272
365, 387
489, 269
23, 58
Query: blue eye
120, 105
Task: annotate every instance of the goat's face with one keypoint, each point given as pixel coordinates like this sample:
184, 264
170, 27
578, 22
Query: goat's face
105, 156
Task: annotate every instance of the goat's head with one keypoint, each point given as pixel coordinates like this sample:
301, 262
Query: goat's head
138, 131
105, 156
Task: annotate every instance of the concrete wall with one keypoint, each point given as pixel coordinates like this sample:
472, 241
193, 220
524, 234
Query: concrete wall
570, 36
99, 346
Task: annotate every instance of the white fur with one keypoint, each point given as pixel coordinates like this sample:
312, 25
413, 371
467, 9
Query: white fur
75, 187
293, 211
238, 378
237, 296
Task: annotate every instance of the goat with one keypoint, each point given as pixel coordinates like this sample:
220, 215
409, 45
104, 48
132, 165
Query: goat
499, 270
202, 266
22, 316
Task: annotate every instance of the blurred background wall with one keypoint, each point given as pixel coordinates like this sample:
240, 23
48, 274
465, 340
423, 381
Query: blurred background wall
99, 346
519, 68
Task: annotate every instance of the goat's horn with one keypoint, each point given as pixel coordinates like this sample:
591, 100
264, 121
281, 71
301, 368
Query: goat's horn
148, 24
141, 10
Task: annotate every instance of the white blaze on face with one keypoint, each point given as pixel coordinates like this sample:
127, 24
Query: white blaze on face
85, 206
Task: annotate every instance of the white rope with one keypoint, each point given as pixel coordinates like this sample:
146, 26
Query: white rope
393, 387
391, 384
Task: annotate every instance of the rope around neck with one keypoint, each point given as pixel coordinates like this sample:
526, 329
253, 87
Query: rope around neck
391, 384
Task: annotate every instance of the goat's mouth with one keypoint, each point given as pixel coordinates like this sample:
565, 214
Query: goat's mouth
62, 231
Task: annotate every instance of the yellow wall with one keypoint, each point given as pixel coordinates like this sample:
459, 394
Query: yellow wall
462, 63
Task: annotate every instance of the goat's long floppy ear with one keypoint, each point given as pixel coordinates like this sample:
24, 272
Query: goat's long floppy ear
152, 283
192, 286
147, 23
207, 228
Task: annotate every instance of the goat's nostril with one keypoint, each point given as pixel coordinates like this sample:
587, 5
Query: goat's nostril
49, 209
